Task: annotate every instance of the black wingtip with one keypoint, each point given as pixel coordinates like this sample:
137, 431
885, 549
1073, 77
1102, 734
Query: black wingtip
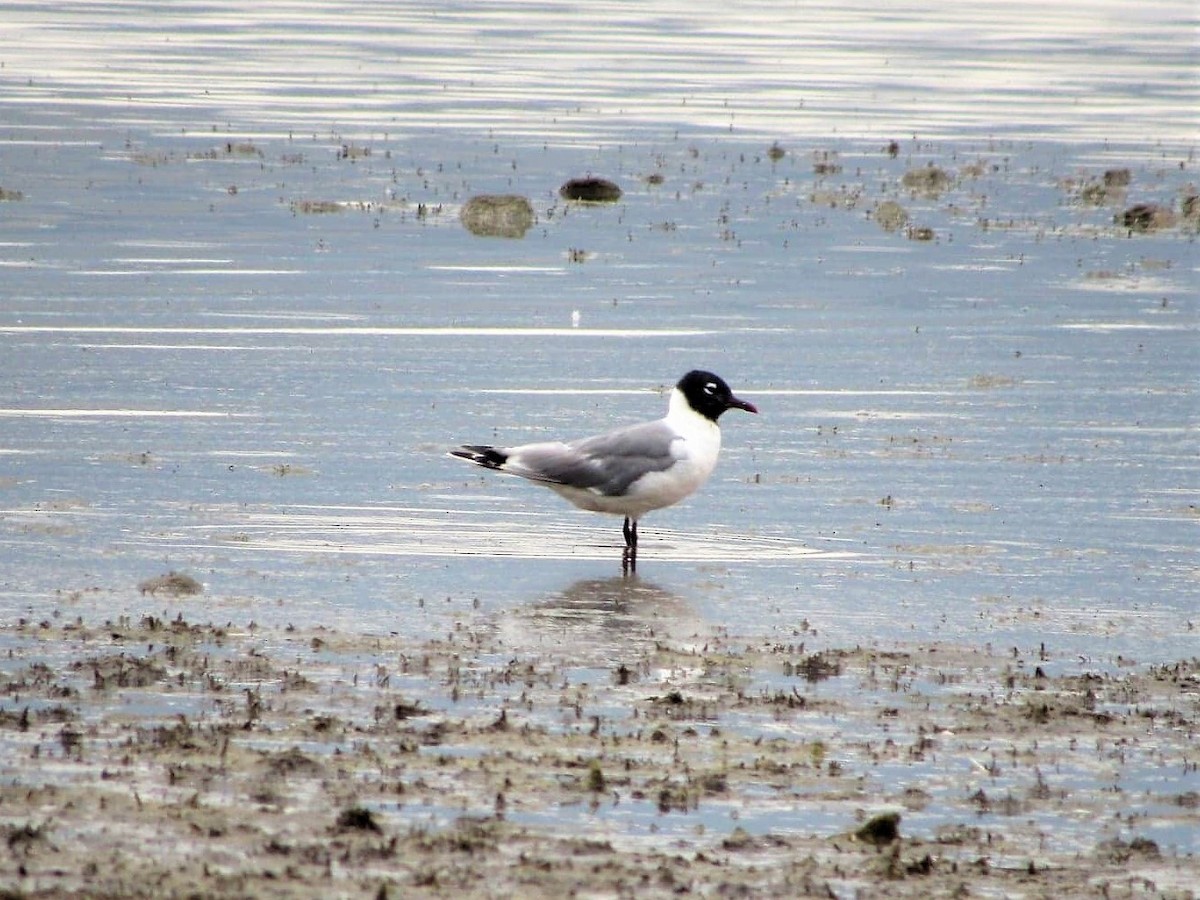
481, 455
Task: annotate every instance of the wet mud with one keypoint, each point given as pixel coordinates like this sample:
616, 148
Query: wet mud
149, 758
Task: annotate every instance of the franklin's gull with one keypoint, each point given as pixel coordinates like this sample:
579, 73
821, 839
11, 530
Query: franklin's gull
632, 470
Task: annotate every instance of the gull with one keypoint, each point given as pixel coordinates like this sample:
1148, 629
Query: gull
632, 470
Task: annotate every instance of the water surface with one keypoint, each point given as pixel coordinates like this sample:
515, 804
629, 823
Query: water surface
988, 435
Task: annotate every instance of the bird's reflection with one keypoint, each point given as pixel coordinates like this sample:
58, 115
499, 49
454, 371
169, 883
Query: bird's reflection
603, 616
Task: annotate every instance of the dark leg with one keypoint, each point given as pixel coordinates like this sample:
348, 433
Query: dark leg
629, 557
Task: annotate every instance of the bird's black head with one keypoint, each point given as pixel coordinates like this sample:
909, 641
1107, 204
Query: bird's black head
708, 395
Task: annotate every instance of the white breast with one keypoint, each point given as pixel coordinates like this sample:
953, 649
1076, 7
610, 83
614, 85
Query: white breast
696, 454
695, 451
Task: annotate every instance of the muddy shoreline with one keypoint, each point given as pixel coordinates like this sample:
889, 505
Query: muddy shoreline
164, 758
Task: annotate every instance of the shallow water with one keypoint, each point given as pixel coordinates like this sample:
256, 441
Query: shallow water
202, 377
241, 322
998, 422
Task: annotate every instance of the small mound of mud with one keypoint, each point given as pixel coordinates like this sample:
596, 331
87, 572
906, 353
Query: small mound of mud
358, 818
243, 148
1191, 209
930, 180
825, 162
590, 190
1148, 217
880, 830
1095, 193
6, 194
121, 671
174, 584
890, 215
315, 207
353, 152
497, 215
291, 762
817, 667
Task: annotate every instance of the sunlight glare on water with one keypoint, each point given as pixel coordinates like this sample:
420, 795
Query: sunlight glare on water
606, 71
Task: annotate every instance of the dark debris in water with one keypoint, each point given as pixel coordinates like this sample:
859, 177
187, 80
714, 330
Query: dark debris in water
590, 190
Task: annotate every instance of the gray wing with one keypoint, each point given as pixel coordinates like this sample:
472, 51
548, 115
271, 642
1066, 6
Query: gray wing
607, 463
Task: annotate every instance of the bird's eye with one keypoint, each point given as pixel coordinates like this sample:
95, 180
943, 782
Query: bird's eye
710, 388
